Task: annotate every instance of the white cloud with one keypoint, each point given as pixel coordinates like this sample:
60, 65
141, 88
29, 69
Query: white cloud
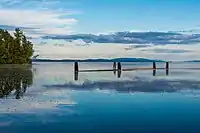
26, 3
70, 50
11, 2
44, 19
30, 18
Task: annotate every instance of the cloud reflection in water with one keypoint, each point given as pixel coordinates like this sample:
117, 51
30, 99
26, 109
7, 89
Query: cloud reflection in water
17, 95
136, 85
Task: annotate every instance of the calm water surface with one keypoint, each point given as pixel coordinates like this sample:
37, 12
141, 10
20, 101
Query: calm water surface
46, 98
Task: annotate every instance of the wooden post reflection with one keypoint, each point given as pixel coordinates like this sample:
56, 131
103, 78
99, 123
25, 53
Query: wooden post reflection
75, 76
119, 72
167, 72
154, 72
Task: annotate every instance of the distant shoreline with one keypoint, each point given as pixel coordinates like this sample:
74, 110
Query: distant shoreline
100, 60
109, 60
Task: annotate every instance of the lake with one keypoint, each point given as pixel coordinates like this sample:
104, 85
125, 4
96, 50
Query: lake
45, 98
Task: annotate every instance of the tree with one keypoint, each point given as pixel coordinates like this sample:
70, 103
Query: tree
15, 49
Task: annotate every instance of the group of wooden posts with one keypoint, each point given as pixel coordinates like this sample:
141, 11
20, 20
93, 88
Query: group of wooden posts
117, 67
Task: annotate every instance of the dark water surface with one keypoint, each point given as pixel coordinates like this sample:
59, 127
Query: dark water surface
46, 98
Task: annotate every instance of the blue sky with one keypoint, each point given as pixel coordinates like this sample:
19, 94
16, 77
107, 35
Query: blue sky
39, 18
138, 15
99, 16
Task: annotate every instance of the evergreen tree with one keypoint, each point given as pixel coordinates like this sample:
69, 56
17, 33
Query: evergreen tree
15, 49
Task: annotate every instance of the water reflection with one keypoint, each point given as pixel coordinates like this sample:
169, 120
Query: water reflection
57, 107
114, 72
137, 84
15, 80
119, 73
75, 76
154, 72
167, 72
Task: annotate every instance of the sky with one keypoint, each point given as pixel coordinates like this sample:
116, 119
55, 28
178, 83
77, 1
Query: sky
138, 15
41, 18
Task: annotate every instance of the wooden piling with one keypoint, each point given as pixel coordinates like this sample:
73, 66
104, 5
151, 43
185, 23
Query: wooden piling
167, 65
167, 68
114, 65
114, 68
76, 67
119, 67
154, 65
76, 70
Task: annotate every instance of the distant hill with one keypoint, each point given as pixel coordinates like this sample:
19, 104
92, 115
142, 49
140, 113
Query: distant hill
193, 61
100, 60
